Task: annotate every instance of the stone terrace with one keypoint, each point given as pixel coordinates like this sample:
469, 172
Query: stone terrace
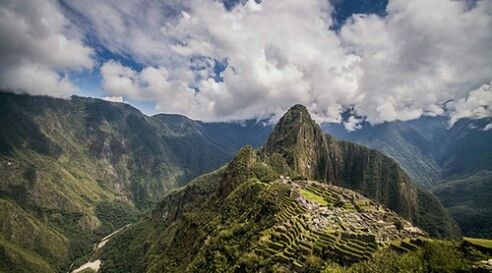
333, 223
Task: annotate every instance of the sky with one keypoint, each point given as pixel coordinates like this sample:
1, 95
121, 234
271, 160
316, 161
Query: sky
235, 60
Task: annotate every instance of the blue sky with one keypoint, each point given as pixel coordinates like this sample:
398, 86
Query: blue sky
385, 60
89, 82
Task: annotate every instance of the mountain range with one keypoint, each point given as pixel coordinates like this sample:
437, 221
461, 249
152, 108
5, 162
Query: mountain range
279, 208
73, 170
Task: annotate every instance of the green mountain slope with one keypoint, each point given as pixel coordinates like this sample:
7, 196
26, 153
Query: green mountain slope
411, 144
435, 155
83, 167
248, 218
24, 240
264, 212
469, 200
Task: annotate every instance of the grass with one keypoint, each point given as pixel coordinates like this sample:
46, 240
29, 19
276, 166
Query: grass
14, 258
481, 242
313, 197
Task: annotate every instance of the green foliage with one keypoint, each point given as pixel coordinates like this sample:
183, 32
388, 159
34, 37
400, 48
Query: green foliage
115, 215
31, 235
313, 197
16, 259
432, 257
84, 167
454, 162
264, 172
91, 165
279, 164
227, 221
432, 216
481, 242
469, 200
211, 236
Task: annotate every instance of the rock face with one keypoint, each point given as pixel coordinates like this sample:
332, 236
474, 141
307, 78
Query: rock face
312, 154
303, 145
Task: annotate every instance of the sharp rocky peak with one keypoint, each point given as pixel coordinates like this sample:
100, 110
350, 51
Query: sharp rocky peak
299, 140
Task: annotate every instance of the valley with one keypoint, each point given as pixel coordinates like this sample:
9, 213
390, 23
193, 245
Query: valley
74, 170
245, 136
266, 212
93, 266
303, 198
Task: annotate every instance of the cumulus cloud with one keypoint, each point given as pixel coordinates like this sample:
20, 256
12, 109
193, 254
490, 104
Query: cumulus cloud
148, 84
114, 99
277, 53
352, 124
420, 55
476, 105
37, 45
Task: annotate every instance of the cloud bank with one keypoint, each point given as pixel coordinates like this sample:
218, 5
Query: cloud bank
199, 59
476, 105
37, 46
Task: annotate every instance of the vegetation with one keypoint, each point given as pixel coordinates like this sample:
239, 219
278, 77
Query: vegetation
455, 162
469, 200
114, 216
260, 226
81, 168
74, 170
14, 258
481, 242
313, 197
432, 256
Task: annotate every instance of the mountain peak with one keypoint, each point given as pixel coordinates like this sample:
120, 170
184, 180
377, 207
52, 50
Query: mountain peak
296, 113
298, 139
298, 108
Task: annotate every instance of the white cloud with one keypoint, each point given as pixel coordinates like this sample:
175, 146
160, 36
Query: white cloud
352, 124
487, 127
476, 105
148, 84
420, 55
114, 99
37, 44
35, 79
399, 67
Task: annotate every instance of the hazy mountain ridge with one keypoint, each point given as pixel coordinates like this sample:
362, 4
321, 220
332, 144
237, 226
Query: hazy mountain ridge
437, 156
427, 148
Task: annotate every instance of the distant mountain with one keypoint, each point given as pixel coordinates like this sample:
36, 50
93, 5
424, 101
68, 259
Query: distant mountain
437, 157
281, 209
74, 169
